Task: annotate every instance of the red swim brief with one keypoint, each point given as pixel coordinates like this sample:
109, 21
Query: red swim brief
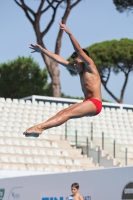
97, 103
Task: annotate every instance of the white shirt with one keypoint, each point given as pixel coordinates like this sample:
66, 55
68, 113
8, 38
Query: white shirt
70, 197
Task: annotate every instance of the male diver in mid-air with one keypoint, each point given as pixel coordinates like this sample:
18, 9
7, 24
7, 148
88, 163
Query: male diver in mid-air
90, 83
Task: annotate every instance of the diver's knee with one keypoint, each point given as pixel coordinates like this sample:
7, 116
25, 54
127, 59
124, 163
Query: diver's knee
66, 114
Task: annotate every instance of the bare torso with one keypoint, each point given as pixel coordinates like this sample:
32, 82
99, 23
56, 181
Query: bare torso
77, 197
91, 83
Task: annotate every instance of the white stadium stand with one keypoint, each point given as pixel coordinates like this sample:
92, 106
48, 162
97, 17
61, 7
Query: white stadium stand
110, 136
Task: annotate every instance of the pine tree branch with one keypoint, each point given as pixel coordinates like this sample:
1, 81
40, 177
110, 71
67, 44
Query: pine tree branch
120, 68
64, 19
111, 94
104, 82
49, 5
74, 4
124, 85
109, 69
40, 6
52, 19
26, 9
60, 33
108, 75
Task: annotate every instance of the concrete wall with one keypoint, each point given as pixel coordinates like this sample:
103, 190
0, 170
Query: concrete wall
104, 184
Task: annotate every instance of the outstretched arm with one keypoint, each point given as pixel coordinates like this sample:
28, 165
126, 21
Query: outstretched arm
55, 57
87, 60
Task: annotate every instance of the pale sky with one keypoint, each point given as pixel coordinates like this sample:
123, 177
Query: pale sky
91, 21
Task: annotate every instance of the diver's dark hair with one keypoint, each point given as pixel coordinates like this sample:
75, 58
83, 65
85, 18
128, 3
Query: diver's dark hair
75, 185
75, 55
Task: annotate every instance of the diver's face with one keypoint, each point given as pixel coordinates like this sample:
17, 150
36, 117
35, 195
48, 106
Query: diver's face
78, 64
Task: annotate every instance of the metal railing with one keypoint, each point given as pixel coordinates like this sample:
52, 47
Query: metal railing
94, 146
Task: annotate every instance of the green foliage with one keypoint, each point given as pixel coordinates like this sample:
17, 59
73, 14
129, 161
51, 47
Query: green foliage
116, 56
70, 97
111, 54
123, 5
79, 98
104, 100
22, 77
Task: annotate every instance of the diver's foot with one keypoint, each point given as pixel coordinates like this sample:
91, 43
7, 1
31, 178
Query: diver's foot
34, 131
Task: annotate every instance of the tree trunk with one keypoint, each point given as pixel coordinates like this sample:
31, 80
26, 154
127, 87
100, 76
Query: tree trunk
124, 86
56, 80
53, 70
52, 67
111, 94
120, 100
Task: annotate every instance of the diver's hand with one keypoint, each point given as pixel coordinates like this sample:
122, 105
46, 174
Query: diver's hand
64, 27
35, 48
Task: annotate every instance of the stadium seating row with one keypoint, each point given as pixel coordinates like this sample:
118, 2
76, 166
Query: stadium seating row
38, 160
17, 115
34, 151
33, 168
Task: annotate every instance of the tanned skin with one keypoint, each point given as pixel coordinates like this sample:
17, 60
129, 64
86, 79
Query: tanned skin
89, 79
75, 194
